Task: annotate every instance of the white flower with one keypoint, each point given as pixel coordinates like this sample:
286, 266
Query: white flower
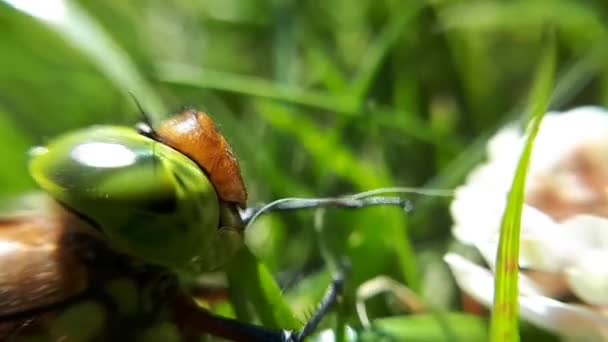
564, 240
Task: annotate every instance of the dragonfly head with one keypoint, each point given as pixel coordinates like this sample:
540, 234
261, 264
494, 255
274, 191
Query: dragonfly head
147, 198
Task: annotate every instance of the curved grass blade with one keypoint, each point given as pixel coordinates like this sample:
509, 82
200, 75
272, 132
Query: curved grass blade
348, 103
251, 85
380, 48
81, 31
505, 312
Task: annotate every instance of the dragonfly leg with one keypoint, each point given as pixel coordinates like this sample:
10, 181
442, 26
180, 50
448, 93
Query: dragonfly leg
192, 319
327, 303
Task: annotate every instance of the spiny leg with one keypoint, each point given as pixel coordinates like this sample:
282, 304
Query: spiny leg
194, 320
327, 303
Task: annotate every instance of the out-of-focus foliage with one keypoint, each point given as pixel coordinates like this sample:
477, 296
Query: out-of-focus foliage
317, 98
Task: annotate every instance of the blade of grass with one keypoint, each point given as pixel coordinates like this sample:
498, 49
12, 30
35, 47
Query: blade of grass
326, 149
250, 85
409, 125
83, 32
331, 77
251, 282
14, 144
505, 311
348, 103
372, 60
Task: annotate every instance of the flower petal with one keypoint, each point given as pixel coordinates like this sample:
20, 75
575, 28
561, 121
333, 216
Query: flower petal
589, 277
479, 204
579, 125
508, 141
540, 247
572, 321
478, 281
586, 232
475, 217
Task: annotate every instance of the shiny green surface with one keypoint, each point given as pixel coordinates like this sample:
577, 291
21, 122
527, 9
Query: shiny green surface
150, 200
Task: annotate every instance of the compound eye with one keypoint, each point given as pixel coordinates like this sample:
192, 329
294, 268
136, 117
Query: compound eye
148, 199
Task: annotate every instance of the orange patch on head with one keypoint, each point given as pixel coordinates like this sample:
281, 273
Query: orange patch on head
195, 135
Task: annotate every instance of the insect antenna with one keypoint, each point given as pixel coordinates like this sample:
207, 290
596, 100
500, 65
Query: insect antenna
145, 126
357, 201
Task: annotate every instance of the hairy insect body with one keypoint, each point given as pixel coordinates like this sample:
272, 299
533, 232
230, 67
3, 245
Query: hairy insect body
66, 284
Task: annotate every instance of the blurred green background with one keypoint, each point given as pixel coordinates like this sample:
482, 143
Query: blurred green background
317, 97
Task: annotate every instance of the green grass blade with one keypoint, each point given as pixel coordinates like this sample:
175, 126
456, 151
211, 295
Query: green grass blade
505, 312
250, 281
250, 85
347, 104
373, 58
14, 145
83, 32
324, 146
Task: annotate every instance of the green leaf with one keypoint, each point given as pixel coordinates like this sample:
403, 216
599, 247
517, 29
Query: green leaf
505, 312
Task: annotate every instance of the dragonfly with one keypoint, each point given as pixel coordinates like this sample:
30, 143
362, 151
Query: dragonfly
124, 216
